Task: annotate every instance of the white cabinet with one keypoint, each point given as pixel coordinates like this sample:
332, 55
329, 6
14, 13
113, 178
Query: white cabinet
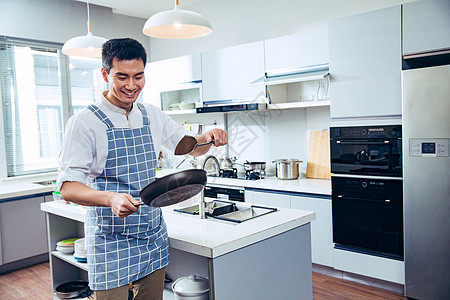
321, 228
22, 229
426, 26
268, 198
307, 48
365, 65
226, 73
173, 80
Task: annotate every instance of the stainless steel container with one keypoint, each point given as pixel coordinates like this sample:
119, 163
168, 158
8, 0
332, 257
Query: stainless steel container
287, 169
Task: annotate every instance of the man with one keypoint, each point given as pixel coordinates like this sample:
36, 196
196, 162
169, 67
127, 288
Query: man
108, 156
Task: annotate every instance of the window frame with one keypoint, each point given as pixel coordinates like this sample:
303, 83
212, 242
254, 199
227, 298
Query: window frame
66, 97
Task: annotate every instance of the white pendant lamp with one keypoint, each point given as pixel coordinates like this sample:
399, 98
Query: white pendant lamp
87, 45
177, 24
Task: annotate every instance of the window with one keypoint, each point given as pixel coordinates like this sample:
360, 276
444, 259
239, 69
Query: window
40, 89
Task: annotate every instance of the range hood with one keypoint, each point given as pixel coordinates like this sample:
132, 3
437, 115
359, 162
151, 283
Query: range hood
290, 75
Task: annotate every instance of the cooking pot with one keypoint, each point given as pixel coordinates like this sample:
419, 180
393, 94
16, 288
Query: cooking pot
252, 166
287, 169
192, 287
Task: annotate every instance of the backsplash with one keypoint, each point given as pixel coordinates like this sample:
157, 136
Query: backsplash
260, 135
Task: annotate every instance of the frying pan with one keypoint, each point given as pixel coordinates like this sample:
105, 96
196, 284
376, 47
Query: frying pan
173, 188
188, 144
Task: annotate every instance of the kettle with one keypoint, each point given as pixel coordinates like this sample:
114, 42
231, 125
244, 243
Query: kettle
226, 163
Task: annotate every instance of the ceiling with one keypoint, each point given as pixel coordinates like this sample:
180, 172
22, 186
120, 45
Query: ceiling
141, 8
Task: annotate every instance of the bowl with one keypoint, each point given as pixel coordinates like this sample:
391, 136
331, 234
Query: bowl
186, 105
174, 106
307, 98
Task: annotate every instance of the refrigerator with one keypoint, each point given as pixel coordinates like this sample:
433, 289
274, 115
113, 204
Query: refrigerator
426, 181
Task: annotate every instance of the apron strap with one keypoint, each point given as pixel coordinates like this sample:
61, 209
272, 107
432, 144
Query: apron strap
101, 115
145, 119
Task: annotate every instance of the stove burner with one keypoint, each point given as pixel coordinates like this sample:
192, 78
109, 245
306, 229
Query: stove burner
252, 175
229, 173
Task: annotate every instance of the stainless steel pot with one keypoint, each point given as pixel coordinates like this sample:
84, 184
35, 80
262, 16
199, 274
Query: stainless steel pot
287, 169
255, 166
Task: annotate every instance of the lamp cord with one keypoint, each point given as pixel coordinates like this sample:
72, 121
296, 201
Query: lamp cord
89, 17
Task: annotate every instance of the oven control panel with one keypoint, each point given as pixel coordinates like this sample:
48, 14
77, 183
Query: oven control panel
429, 147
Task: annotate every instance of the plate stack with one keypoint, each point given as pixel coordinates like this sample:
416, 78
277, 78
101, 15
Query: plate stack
66, 246
80, 251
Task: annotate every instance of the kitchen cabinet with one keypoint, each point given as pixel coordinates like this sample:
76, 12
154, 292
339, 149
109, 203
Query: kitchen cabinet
307, 48
172, 81
426, 26
365, 65
268, 198
295, 67
62, 224
227, 72
23, 229
212, 250
321, 228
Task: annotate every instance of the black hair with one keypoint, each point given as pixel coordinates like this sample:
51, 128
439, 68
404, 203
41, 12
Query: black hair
122, 49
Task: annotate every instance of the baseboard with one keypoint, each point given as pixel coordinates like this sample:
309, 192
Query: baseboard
23, 263
386, 285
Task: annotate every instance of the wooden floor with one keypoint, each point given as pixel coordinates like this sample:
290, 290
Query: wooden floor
33, 283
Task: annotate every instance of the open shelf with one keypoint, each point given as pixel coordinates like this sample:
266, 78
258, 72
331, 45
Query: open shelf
69, 258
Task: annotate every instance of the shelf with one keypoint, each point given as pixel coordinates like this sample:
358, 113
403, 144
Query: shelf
305, 104
180, 112
69, 258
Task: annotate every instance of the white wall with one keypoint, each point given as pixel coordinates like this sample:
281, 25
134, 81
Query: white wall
61, 20
237, 22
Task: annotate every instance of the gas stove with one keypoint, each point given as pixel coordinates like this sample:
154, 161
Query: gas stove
233, 173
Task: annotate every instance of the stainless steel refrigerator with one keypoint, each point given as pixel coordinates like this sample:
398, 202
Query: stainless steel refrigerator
426, 182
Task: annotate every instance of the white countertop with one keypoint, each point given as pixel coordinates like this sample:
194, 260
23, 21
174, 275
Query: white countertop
209, 237
24, 186
301, 185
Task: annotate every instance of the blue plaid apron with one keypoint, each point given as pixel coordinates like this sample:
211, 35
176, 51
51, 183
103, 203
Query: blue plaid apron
123, 250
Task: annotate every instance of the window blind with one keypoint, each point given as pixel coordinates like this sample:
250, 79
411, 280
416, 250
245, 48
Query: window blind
40, 89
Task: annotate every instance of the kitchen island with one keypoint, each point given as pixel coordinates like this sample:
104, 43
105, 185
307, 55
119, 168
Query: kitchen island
268, 257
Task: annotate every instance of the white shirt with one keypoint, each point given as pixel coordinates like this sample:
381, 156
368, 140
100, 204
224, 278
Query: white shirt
85, 146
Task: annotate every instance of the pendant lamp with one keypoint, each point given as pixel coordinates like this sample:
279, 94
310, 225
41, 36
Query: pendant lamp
177, 24
87, 45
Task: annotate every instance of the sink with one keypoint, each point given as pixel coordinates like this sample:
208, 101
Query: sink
212, 208
45, 182
228, 211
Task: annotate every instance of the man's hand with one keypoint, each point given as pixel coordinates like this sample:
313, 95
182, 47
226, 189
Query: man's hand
220, 138
123, 205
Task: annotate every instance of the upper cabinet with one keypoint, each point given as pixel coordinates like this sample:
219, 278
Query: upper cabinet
426, 26
174, 84
365, 65
307, 48
296, 70
226, 73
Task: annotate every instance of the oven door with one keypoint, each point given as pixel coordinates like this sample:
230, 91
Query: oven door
368, 216
366, 157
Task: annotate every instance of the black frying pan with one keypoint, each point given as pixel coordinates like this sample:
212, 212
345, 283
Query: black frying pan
174, 188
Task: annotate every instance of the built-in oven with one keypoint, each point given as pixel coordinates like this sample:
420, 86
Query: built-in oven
225, 193
366, 189
368, 216
366, 150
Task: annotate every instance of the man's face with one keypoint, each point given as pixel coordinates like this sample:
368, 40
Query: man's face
126, 80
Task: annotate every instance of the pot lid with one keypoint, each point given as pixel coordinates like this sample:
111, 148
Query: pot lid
191, 284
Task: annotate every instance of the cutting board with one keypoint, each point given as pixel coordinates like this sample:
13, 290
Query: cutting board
318, 164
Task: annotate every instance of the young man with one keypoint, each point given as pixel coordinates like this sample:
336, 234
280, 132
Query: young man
108, 156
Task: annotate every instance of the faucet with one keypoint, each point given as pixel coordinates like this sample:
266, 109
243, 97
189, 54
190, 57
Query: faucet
202, 205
